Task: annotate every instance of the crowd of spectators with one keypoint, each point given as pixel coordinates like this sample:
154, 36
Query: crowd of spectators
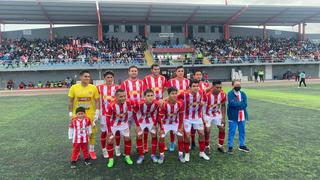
239, 50
23, 52
69, 50
67, 83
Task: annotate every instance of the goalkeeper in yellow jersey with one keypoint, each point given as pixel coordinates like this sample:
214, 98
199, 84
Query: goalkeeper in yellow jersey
86, 95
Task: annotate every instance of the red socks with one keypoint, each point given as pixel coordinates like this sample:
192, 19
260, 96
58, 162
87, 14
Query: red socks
103, 138
161, 147
201, 146
154, 145
127, 147
180, 145
139, 146
186, 146
222, 135
110, 150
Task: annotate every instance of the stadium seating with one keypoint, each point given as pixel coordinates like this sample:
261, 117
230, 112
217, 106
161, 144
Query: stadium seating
250, 50
71, 51
112, 51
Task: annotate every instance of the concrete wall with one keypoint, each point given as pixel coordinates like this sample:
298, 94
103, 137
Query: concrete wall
255, 32
77, 31
222, 72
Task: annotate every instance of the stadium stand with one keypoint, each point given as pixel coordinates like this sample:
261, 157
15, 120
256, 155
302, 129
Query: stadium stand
23, 52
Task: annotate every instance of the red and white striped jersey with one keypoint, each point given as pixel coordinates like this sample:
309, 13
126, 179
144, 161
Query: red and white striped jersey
181, 85
134, 89
171, 113
157, 85
212, 103
107, 95
203, 86
192, 105
148, 112
118, 114
241, 114
79, 130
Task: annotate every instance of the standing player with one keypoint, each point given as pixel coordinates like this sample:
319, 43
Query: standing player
107, 93
86, 95
204, 87
181, 84
171, 119
148, 108
133, 86
157, 83
215, 112
118, 114
193, 117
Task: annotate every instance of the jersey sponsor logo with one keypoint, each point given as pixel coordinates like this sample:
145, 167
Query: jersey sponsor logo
84, 98
84, 102
109, 98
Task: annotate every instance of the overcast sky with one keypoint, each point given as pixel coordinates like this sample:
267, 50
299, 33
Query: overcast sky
311, 28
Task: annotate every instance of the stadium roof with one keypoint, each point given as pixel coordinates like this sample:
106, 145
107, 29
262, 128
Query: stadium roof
86, 12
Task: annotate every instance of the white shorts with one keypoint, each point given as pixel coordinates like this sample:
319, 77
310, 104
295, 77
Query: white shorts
103, 124
148, 126
123, 129
208, 120
171, 127
196, 124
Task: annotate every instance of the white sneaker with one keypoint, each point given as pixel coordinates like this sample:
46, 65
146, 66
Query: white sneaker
187, 157
118, 153
105, 153
204, 156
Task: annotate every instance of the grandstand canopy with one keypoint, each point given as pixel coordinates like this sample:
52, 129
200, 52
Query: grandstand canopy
85, 12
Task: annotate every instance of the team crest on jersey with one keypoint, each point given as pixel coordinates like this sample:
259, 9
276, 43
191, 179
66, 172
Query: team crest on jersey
155, 89
134, 92
180, 91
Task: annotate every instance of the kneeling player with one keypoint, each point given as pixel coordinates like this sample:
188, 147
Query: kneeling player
148, 109
171, 119
193, 117
117, 117
214, 111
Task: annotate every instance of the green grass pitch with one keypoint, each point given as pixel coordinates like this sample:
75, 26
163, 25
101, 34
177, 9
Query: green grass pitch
283, 134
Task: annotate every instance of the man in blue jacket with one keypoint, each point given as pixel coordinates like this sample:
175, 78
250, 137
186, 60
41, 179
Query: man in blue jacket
237, 115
